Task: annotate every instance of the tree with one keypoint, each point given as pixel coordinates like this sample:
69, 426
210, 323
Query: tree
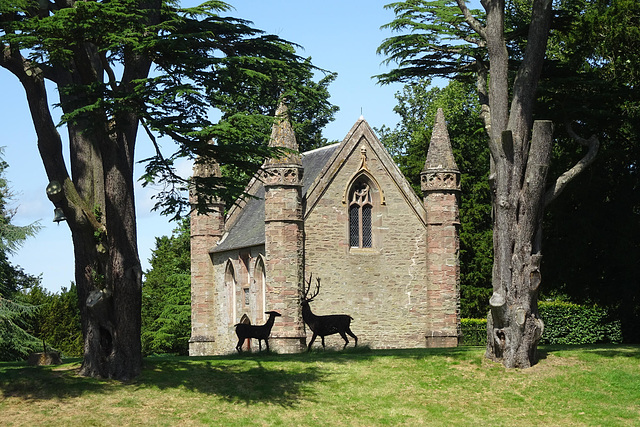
448, 39
166, 295
15, 340
117, 64
408, 143
57, 322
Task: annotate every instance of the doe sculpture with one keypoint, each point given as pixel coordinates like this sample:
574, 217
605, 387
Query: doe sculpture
260, 332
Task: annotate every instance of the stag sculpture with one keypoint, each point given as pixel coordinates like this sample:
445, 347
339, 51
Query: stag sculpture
260, 332
324, 325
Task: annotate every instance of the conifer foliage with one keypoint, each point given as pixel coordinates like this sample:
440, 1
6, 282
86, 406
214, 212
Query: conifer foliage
16, 341
166, 295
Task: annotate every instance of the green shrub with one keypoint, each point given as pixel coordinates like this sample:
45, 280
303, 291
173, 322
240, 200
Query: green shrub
474, 332
564, 323
568, 323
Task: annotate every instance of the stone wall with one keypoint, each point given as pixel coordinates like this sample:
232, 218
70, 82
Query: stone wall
243, 296
385, 287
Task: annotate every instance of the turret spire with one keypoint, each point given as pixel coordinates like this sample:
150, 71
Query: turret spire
440, 154
283, 136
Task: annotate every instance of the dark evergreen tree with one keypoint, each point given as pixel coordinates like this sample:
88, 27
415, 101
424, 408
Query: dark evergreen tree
592, 235
16, 340
166, 295
57, 321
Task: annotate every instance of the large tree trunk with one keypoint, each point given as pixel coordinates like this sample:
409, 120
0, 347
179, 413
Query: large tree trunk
108, 266
518, 176
513, 327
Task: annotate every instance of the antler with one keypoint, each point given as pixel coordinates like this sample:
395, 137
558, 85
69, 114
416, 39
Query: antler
307, 288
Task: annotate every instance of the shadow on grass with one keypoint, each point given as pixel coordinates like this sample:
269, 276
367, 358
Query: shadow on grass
280, 379
366, 353
48, 382
248, 379
603, 350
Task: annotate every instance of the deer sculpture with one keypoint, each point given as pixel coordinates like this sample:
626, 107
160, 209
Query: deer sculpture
260, 332
324, 325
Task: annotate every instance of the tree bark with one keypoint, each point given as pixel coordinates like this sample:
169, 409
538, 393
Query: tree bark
514, 328
519, 165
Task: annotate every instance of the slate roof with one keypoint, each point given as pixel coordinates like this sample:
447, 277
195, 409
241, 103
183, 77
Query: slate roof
248, 229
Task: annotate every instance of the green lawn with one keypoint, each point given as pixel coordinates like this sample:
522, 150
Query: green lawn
594, 385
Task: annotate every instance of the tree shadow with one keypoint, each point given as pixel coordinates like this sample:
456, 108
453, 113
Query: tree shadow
604, 350
280, 379
619, 352
246, 380
48, 382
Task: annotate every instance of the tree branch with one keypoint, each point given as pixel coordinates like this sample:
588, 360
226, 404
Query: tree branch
113, 81
482, 76
471, 20
166, 165
49, 141
592, 144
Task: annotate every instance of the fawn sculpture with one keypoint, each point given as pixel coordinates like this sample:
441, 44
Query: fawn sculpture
260, 332
324, 325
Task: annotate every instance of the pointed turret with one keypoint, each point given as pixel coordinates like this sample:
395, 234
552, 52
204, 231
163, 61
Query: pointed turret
284, 231
282, 136
440, 181
440, 170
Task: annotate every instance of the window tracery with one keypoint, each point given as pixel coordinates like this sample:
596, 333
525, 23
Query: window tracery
360, 215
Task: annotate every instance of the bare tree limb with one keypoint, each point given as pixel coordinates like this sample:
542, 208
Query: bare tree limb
113, 82
471, 20
592, 144
166, 164
482, 79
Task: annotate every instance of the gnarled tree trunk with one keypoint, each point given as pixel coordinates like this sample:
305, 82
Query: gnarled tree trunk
518, 174
513, 327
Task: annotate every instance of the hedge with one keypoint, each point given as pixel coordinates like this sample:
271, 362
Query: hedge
474, 331
564, 323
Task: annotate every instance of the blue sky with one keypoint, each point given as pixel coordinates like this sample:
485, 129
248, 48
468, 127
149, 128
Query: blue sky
340, 36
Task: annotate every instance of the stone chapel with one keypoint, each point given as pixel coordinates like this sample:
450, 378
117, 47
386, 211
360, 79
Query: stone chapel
343, 213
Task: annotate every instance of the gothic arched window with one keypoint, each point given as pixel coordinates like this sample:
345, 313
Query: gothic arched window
360, 214
259, 281
230, 290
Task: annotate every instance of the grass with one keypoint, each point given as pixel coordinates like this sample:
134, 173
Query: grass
595, 385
